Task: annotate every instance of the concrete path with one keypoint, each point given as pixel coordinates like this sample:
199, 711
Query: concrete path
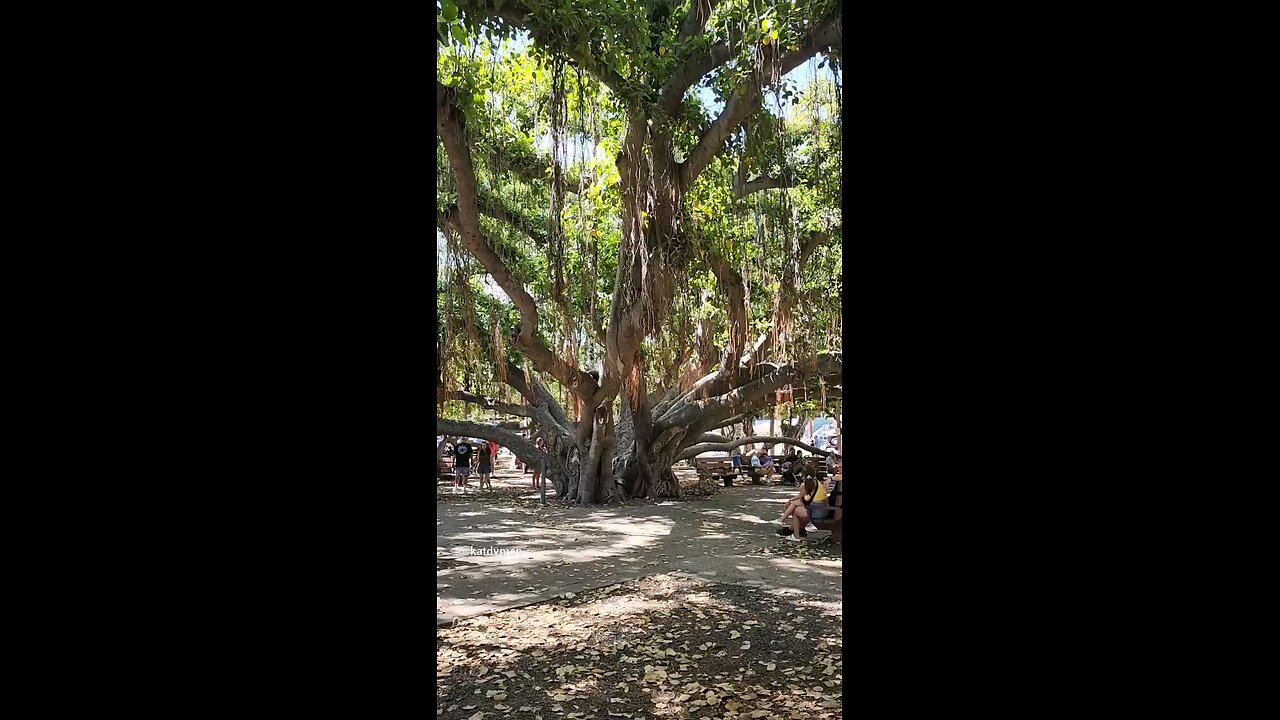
496, 557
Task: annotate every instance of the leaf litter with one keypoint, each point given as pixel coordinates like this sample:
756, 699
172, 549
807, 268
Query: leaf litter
656, 647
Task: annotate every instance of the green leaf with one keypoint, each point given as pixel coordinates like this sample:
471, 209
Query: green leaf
459, 33
450, 12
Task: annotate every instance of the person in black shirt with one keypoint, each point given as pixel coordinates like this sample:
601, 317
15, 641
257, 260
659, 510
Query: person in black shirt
789, 467
462, 453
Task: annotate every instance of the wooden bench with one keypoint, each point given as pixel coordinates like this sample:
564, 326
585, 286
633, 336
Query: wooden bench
835, 521
444, 471
818, 463
717, 469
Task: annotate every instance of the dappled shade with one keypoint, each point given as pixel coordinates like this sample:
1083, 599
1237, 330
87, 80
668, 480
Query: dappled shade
641, 213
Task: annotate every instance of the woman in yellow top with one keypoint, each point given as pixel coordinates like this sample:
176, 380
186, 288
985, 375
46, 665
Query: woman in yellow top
810, 503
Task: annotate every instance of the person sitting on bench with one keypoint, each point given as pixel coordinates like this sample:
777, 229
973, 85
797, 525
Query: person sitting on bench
813, 507
762, 464
803, 495
789, 468
790, 507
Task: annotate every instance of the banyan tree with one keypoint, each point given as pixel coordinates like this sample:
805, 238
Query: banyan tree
640, 209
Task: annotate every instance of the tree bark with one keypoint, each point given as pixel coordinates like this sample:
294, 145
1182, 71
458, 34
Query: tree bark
586, 458
695, 450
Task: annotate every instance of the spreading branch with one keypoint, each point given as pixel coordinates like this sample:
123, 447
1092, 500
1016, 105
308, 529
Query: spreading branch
500, 210
536, 393
465, 217
711, 412
699, 13
490, 403
712, 438
695, 450
717, 383
536, 169
517, 14
516, 443
763, 183
746, 96
694, 69
730, 403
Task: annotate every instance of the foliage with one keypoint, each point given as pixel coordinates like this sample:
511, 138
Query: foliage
655, 190
509, 92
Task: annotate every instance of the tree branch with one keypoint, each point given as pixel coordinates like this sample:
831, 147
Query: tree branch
451, 128
521, 446
695, 450
496, 208
516, 13
536, 393
692, 70
715, 384
711, 412
763, 183
699, 13
732, 402
712, 438
535, 169
490, 403
746, 96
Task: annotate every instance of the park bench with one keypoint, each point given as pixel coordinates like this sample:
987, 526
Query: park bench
444, 470
818, 464
717, 469
835, 522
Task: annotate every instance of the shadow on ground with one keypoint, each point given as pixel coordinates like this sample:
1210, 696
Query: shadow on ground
662, 646
519, 555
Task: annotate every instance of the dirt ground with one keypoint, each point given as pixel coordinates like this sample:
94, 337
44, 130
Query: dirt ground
661, 646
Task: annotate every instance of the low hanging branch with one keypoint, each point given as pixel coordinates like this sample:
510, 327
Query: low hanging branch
764, 183
536, 169
753, 384
502, 211
465, 217
490, 403
518, 14
521, 446
746, 96
695, 450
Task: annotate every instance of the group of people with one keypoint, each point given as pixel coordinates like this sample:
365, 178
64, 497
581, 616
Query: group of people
762, 463
482, 453
481, 456
760, 460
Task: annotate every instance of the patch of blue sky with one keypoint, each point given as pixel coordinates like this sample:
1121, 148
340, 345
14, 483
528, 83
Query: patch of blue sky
801, 76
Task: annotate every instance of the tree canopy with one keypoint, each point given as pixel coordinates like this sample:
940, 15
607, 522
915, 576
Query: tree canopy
639, 204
